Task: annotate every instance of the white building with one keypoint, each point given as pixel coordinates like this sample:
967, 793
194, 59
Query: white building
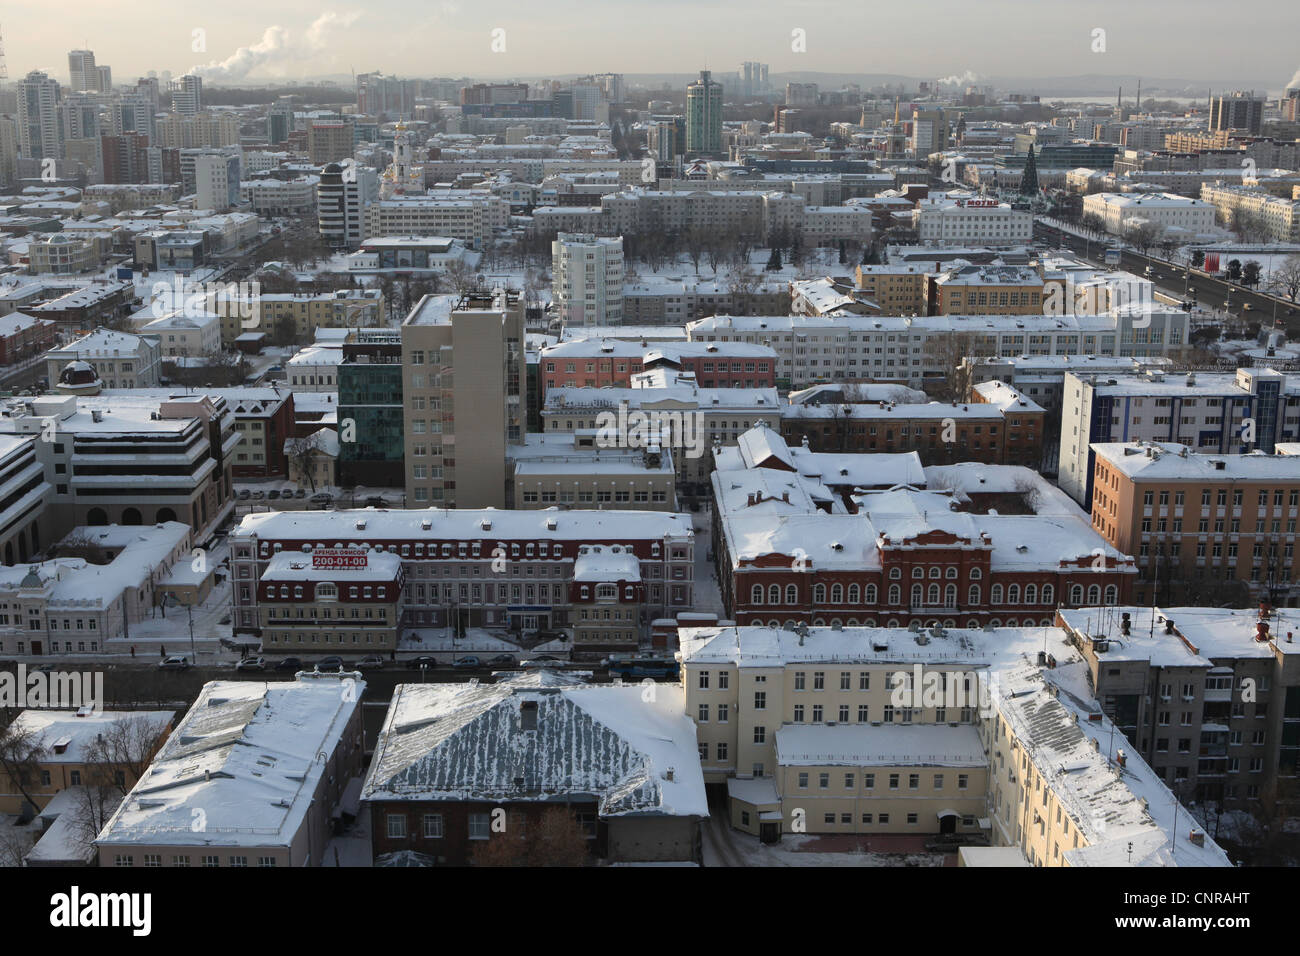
186, 333
825, 348
587, 279
120, 359
961, 219
1119, 212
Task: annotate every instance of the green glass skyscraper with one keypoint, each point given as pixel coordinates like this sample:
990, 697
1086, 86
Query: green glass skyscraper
704, 116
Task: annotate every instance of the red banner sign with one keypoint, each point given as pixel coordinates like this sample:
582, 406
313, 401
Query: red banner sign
339, 558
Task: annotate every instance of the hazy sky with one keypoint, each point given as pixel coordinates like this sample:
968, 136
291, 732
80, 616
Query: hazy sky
1209, 42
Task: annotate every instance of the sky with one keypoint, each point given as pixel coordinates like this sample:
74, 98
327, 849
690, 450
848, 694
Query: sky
1206, 41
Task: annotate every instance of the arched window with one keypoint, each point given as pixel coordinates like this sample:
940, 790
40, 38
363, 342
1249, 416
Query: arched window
791, 594
1031, 594
892, 622
995, 594
936, 572
774, 594
973, 595
950, 595
855, 594
934, 595
851, 622
869, 622
1013, 593
837, 594
1011, 622
869, 593
895, 594
1094, 594
918, 592
918, 572
951, 573
132, 516
1049, 594
1076, 594
972, 623
976, 574
895, 573
1112, 594
819, 622
819, 594
756, 594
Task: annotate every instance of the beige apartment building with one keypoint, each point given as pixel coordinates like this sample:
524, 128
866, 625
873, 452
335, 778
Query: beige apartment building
344, 309
898, 289
458, 422
929, 731
985, 290
74, 753
1214, 529
803, 724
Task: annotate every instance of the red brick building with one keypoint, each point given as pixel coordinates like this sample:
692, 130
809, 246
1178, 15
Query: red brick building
24, 336
596, 363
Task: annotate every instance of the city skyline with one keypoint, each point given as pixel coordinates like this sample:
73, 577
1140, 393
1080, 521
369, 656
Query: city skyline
283, 41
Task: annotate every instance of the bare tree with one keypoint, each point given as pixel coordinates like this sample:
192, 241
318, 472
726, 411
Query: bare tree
950, 352
302, 452
21, 753
1287, 276
80, 544
1144, 235
460, 277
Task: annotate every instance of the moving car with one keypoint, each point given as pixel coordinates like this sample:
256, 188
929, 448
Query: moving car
466, 663
289, 664
331, 663
173, 663
419, 663
370, 662
502, 660
251, 664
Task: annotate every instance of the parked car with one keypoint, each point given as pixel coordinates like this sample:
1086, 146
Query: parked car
251, 664
419, 663
243, 494
300, 493
331, 663
502, 660
543, 661
466, 663
226, 619
289, 664
173, 663
370, 662
321, 498
259, 495
273, 493
374, 501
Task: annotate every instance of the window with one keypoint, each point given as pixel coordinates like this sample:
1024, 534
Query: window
433, 826
760, 736
479, 826
266, 861
396, 826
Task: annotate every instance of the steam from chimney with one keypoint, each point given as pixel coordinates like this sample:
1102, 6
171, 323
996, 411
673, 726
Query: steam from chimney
277, 49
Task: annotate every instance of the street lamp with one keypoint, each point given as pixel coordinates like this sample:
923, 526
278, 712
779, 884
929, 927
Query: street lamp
172, 602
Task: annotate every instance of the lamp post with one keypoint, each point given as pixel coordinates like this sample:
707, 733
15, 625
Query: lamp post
173, 602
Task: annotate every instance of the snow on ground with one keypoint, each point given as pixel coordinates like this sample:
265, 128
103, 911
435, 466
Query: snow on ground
708, 597
724, 846
352, 848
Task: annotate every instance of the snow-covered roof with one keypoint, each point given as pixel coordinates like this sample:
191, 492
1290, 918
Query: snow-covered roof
380, 566
245, 758
468, 741
1170, 461
461, 524
891, 745
607, 563
75, 731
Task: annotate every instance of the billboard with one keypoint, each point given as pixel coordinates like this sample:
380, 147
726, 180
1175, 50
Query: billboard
336, 559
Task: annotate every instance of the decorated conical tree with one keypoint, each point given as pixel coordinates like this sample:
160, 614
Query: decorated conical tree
1029, 181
